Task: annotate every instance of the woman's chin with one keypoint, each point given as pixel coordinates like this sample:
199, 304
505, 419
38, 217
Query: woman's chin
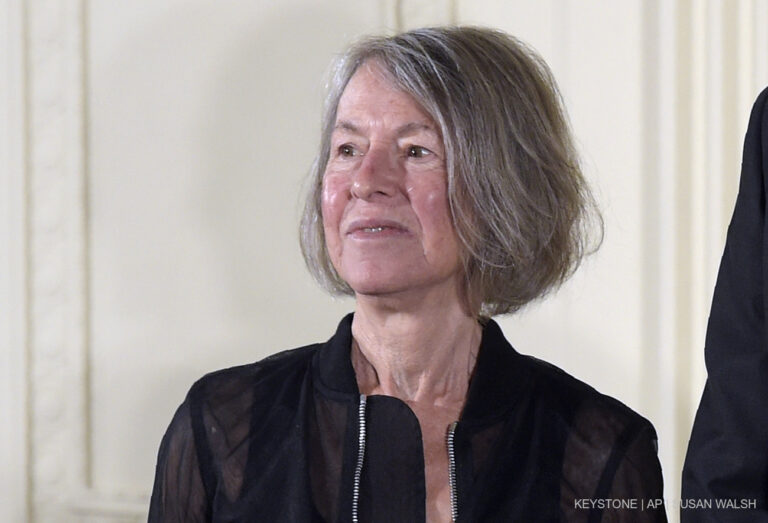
403, 289
376, 278
370, 288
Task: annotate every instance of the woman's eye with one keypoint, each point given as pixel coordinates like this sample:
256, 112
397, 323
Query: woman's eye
346, 150
417, 151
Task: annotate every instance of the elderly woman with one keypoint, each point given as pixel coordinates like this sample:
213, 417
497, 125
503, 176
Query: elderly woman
446, 191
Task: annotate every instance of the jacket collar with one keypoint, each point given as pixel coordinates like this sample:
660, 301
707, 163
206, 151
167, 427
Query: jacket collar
497, 381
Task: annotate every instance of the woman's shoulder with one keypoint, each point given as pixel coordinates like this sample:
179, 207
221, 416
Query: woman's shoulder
218, 410
212, 430
260, 378
610, 451
600, 421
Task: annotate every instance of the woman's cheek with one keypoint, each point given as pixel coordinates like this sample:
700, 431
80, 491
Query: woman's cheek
431, 197
332, 203
333, 197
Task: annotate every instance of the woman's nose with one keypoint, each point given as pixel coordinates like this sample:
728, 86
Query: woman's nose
376, 175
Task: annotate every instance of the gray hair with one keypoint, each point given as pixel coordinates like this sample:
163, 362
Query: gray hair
521, 207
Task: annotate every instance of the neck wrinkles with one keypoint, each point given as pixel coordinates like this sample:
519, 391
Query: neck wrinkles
423, 355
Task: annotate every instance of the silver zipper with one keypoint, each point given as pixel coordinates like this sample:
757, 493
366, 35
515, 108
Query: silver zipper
452, 471
360, 456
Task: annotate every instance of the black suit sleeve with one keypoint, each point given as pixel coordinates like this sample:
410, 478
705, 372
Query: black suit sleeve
728, 451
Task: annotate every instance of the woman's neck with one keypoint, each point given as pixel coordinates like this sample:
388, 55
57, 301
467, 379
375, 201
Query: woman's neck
425, 353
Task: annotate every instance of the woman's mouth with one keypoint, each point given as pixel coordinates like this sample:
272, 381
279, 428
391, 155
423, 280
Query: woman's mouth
378, 229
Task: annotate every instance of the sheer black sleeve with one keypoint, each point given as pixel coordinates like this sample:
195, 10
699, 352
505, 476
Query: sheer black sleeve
637, 479
611, 471
179, 493
204, 452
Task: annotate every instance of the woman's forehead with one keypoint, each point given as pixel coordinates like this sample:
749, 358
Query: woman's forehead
371, 93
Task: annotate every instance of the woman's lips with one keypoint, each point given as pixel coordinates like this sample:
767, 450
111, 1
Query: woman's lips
376, 229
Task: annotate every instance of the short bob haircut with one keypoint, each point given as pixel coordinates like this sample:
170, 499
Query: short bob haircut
520, 205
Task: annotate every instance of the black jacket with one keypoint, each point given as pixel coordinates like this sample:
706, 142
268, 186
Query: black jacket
278, 440
728, 451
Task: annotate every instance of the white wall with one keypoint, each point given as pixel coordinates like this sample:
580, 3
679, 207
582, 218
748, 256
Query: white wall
152, 154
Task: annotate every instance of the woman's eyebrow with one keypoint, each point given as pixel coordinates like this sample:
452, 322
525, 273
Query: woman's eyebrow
346, 125
405, 129
413, 127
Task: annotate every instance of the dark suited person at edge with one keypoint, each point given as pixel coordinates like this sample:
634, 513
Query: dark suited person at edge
727, 461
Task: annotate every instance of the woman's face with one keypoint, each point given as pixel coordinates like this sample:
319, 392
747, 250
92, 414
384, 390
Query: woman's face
384, 200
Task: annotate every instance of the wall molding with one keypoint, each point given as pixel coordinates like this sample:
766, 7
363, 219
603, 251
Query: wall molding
14, 501
96, 507
661, 219
58, 260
